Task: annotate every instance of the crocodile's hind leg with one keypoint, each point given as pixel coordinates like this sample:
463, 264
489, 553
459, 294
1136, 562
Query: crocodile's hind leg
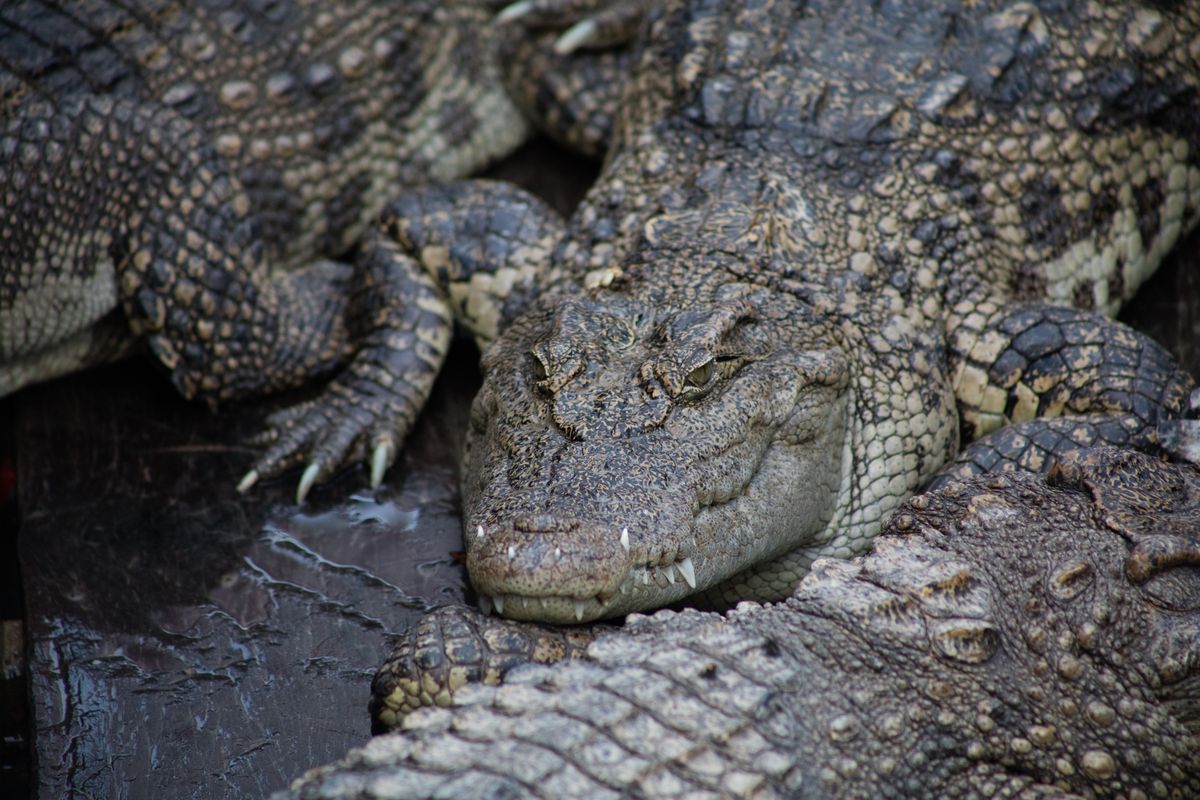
566, 64
1034, 381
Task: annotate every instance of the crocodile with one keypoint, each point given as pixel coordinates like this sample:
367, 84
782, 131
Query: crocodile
835, 246
1014, 635
175, 173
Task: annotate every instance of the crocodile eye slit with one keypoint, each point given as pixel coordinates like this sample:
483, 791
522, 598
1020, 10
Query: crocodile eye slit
701, 375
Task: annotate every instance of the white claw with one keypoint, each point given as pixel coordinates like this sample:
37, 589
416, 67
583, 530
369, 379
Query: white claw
485, 603
669, 569
498, 600
625, 539
579, 611
688, 571
578, 34
381, 459
306, 481
248, 480
479, 532
515, 11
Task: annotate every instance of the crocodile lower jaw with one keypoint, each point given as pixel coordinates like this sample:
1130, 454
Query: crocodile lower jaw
673, 581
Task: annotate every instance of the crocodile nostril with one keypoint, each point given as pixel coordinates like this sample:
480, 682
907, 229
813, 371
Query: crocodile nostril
545, 523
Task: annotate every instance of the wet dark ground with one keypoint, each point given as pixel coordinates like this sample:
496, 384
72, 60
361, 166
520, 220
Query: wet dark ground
184, 641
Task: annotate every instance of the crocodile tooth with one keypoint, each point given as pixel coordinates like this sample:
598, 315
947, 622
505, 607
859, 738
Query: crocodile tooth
542, 602
625, 539
646, 577
479, 532
485, 604
499, 601
558, 552
579, 611
688, 571
512, 551
669, 569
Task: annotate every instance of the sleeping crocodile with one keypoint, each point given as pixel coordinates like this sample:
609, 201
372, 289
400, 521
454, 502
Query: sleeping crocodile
172, 171
1009, 636
832, 241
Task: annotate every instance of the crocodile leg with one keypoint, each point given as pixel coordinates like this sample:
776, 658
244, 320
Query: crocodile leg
485, 243
1059, 379
559, 78
403, 325
154, 223
472, 250
455, 646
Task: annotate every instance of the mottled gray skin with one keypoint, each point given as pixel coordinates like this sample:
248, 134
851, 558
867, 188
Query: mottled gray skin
172, 171
831, 243
1009, 636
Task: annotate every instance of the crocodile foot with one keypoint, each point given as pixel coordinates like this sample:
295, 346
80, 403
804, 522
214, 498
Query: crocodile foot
404, 324
590, 24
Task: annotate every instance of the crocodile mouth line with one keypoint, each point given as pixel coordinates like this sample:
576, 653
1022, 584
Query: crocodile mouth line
681, 570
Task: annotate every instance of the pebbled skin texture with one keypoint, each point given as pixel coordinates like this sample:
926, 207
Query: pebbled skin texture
173, 171
834, 247
1009, 636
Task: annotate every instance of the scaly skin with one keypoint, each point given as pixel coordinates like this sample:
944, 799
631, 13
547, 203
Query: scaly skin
831, 243
172, 171
1009, 636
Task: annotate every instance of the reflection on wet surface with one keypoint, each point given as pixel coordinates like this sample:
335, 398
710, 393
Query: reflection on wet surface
185, 641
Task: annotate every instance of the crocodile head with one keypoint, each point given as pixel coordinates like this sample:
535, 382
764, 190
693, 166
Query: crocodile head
628, 450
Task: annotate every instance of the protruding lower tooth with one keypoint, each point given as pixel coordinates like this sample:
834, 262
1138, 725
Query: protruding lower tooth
579, 611
485, 604
688, 571
646, 577
479, 532
499, 601
542, 602
625, 539
669, 571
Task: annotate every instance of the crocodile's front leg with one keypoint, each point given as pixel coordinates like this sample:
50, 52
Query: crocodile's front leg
476, 247
1057, 379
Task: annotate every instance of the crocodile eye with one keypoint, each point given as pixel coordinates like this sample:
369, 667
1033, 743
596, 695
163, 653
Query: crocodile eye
1175, 589
701, 375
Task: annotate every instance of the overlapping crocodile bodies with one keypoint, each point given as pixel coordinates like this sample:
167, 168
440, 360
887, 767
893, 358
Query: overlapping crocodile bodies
1008, 636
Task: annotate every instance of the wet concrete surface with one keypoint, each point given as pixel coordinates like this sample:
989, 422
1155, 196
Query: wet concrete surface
184, 641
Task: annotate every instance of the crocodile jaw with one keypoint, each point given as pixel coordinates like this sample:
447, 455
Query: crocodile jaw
570, 528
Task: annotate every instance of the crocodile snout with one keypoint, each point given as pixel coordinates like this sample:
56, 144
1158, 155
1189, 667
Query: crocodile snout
544, 556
